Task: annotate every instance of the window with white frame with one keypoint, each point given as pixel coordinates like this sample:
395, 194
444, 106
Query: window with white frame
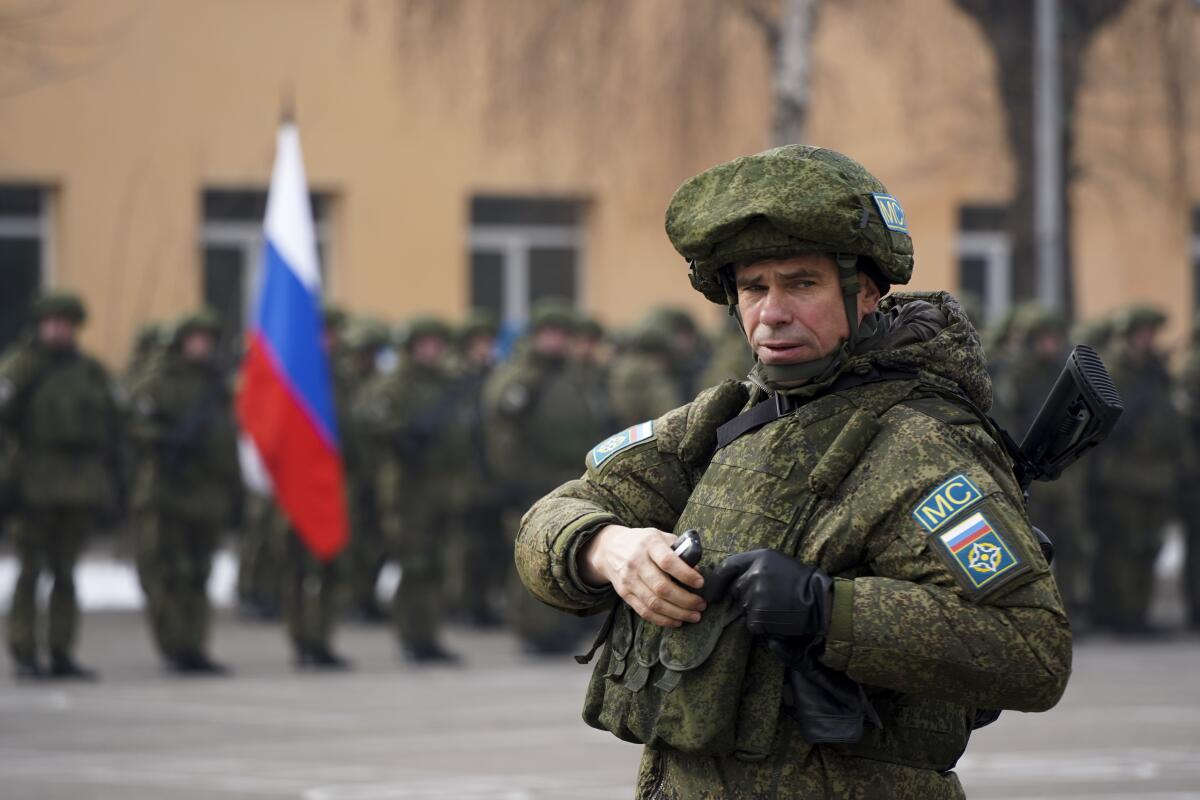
231, 241
26, 254
985, 258
524, 249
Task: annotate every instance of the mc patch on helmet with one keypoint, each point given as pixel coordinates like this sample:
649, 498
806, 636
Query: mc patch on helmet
981, 554
890, 212
642, 432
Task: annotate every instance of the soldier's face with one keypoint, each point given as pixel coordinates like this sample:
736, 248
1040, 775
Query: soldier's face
57, 333
198, 346
428, 350
792, 308
551, 341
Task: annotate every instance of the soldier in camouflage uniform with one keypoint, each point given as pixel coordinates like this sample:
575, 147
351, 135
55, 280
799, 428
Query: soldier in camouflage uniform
869, 579
690, 352
731, 359
1056, 507
1189, 386
184, 493
537, 422
308, 584
57, 408
362, 339
641, 385
406, 414
474, 568
1136, 475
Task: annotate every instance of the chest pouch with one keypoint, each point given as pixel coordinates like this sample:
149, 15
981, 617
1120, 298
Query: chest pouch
711, 688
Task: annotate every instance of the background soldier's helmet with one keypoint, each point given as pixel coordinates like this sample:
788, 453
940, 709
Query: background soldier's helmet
1139, 316
479, 323
204, 320
648, 338
334, 318
60, 304
1033, 321
782, 203
419, 327
364, 334
553, 314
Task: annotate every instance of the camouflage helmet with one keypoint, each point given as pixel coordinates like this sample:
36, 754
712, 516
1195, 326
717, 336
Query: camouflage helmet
334, 317
648, 338
1138, 316
589, 327
364, 334
781, 203
1033, 321
674, 320
553, 313
60, 303
420, 327
204, 320
479, 323
1095, 332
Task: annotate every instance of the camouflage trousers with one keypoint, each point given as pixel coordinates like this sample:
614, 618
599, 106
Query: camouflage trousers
174, 558
308, 587
259, 558
364, 559
477, 557
796, 770
1128, 537
46, 540
417, 539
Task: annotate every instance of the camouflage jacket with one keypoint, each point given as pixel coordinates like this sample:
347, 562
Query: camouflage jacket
641, 387
181, 420
891, 508
58, 415
537, 419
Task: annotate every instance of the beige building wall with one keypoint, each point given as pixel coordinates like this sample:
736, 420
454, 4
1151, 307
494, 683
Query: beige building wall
406, 109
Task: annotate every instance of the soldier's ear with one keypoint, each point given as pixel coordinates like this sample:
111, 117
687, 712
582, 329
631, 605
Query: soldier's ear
868, 294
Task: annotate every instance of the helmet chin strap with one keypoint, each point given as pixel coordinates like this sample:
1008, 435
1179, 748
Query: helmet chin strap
784, 375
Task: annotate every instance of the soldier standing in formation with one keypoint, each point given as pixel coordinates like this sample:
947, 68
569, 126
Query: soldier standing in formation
404, 414
185, 489
58, 412
1135, 475
641, 384
537, 425
869, 582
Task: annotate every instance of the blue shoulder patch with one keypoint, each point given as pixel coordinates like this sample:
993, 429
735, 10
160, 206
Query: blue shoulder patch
614, 444
981, 554
945, 502
891, 212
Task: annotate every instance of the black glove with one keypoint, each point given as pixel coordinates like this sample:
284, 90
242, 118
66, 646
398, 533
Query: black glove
781, 596
829, 706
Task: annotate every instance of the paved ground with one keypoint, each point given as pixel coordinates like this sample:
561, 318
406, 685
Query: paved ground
502, 727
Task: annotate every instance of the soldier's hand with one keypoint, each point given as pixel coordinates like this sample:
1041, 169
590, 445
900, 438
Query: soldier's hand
642, 568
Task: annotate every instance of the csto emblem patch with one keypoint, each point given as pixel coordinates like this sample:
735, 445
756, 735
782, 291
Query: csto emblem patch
980, 551
891, 212
944, 502
614, 444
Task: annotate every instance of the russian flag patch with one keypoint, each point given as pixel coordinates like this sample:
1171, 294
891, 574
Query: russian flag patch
642, 432
980, 554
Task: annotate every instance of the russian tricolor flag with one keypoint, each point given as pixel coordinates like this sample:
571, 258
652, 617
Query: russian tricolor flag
285, 392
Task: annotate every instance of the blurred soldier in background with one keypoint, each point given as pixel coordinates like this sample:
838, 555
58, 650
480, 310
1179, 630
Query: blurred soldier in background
406, 415
537, 423
1057, 506
1135, 474
1189, 385
642, 385
689, 352
148, 345
185, 489
308, 584
57, 410
732, 358
592, 359
476, 559
362, 339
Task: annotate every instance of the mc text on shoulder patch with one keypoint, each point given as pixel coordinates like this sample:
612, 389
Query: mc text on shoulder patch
890, 212
945, 502
980, 553
642, 432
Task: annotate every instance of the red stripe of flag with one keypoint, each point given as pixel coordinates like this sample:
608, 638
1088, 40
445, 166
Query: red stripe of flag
983, 530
